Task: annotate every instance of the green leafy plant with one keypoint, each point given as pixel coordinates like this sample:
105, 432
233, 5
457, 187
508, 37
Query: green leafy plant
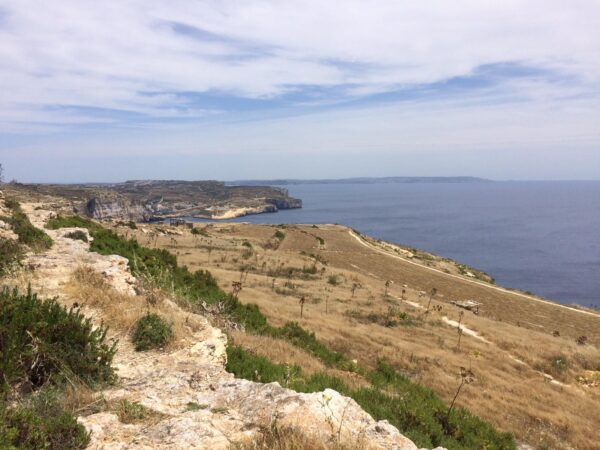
29, 235
77, 235
41, 423
42, 342
151, 331
415, 410
199, 232
11, 253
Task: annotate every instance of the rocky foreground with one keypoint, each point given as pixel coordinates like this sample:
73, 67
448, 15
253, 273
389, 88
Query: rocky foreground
197, 404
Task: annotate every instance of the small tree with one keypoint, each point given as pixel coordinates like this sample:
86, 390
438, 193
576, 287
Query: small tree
387, 287
302, 301
355, 286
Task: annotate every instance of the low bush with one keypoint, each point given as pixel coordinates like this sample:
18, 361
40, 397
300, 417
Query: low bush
199, 232
29, 235
11, 253
415, 410
77, 235
151, 331
40, 423
298, 336
41, 342
58, 222
131, 412
279, 235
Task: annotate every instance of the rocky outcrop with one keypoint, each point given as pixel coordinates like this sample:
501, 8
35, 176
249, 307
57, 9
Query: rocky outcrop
99, 209
158, 199
196, 403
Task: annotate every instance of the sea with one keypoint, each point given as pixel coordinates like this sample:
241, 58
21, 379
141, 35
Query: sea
537, 236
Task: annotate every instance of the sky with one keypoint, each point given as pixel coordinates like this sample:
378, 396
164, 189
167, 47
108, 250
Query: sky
233, 89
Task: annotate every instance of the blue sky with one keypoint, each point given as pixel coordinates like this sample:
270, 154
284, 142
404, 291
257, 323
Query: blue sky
103, 91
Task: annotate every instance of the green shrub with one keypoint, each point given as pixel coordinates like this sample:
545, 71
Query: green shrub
559, 364
42, 341
199, 231
40, 423
415, 410
58, 222
29, 235
320, 240
279, 235
151, 331
11, 253
77, 235
333, 280
298, 336
131, 412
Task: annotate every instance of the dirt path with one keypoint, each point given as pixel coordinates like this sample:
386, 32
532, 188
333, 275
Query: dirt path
467, 280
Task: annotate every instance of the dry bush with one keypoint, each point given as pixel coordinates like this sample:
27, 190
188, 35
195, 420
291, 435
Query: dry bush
121, 311
81, 400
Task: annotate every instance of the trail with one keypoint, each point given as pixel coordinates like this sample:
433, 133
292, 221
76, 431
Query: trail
467, 280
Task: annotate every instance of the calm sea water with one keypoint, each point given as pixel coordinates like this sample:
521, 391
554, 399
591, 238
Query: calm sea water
542, 237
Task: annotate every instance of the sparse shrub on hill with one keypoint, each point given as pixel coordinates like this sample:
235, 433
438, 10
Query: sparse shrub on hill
11, 253
279, 235
77, 235
29, 235
41, 423
199, 232
42, 342
151, 332
42, 345
415, 410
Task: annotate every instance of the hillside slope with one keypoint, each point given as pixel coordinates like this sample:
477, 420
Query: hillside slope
189, 398
537, 363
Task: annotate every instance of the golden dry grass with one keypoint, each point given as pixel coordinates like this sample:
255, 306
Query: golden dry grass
512, 389
121, 311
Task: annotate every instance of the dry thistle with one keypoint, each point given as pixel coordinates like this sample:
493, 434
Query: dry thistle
466, 377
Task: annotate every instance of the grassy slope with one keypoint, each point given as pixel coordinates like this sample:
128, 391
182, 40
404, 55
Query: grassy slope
415, 410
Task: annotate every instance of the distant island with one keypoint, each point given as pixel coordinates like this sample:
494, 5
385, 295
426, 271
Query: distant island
359, 180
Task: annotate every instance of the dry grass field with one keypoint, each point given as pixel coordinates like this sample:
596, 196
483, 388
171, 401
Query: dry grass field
532, 376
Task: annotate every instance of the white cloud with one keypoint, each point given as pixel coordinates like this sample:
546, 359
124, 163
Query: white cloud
108, 54
70, 64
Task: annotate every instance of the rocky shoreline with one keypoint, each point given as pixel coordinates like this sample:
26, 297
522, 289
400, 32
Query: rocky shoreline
155, 200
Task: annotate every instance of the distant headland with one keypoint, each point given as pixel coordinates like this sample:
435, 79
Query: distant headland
359, 180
